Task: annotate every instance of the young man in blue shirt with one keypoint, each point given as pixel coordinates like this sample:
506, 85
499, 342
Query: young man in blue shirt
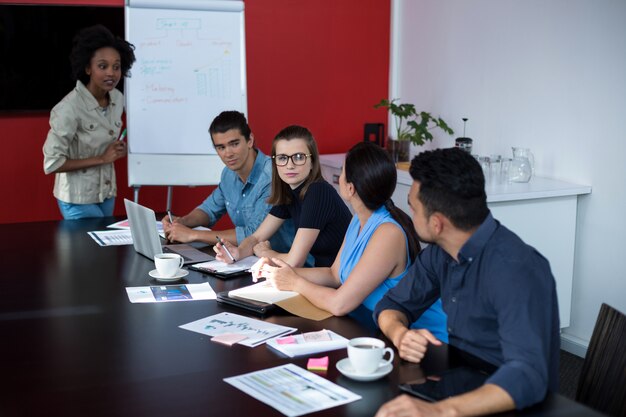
498, 293
244, 188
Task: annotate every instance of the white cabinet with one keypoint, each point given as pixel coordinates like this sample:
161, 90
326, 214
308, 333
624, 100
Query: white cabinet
541, 212
331, 165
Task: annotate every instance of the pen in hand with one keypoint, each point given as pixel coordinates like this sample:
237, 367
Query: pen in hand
230, 255
169, 215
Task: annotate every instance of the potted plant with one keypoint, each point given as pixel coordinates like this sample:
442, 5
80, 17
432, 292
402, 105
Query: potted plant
411, 127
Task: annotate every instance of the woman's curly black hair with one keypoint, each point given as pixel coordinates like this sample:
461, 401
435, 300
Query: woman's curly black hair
88, 41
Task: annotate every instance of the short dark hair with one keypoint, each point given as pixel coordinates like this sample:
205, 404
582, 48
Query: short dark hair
281, 192
451, 183
373, 174
228, 120
88, 41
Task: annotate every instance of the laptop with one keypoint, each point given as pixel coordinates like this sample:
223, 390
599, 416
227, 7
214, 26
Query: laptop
147, 241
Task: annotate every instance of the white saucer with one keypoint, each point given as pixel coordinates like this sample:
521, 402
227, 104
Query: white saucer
345, 367
180, 274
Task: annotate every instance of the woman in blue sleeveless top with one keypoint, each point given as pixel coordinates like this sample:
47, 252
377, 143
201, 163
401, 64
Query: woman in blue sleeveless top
377, 250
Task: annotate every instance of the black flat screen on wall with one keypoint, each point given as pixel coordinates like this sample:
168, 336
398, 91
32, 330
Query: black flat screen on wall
35, 44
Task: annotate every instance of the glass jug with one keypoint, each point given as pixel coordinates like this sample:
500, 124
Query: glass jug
521, 169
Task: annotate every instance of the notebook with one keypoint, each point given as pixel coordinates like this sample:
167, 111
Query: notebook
146, 238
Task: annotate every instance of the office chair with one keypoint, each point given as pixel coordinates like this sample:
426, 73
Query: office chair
602, 383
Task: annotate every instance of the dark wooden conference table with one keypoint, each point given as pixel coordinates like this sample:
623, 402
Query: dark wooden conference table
71, 343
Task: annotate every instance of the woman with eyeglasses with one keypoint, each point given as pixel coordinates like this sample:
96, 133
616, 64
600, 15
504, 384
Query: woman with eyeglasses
299, 192
379, 247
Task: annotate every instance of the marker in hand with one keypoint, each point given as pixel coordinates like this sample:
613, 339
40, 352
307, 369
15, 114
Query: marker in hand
123, 135
230, 255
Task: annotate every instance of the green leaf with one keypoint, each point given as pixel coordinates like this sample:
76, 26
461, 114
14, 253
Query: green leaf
409, 124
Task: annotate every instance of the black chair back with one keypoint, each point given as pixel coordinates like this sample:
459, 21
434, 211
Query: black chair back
602, 383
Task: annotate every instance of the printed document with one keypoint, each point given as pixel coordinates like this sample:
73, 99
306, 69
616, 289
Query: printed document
168, 293
121, 234
112, 237
256, 331
292, 390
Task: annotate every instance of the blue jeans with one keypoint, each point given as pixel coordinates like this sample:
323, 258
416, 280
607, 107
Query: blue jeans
82, 211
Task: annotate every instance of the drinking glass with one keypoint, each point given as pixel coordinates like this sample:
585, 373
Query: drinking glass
495, 168
520, 169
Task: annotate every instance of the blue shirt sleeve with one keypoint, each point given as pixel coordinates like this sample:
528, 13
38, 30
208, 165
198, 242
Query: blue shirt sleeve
416, 292
257, 215
525, 307
214, 205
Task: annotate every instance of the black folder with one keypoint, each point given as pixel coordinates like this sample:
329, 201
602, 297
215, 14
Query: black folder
221, 275
257, 307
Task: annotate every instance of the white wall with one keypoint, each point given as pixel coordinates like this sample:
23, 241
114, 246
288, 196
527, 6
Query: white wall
545, 74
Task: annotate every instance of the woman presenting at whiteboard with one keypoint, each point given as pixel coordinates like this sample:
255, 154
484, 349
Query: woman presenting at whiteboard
299, 192
82, 143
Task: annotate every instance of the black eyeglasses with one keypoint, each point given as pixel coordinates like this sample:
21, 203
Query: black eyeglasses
297, 159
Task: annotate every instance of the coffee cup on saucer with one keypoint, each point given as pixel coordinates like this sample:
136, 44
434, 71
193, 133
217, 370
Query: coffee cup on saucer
366, 354
168, 264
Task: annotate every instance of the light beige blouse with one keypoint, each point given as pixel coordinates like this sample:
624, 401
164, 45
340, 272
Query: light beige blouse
80, 129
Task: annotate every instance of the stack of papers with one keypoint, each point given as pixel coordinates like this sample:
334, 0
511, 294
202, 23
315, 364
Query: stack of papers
308, 343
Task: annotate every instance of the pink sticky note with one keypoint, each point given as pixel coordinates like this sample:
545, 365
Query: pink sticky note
287, 340
228, 339
317, 364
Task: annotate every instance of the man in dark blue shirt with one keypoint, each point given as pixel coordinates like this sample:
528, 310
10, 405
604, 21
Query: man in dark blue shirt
498, 292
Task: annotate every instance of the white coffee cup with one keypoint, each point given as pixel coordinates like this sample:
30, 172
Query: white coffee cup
366, 353
168, 264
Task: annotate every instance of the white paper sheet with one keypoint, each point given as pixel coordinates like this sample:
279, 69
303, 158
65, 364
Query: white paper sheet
262, 291
256, 331
223, 268
121, 234
169, 293
124, 225
292, 390
112, 237
302, 347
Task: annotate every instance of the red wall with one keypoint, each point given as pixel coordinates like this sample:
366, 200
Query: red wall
322, 64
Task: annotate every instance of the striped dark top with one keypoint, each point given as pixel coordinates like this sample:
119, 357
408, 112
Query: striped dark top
321, 209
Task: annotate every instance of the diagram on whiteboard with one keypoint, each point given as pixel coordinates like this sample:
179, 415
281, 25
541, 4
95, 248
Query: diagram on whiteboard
189, 68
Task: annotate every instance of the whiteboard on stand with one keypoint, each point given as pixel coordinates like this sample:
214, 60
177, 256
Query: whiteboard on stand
190, 67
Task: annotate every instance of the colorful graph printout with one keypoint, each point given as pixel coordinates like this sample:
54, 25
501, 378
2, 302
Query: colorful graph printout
292, 390
256, 331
